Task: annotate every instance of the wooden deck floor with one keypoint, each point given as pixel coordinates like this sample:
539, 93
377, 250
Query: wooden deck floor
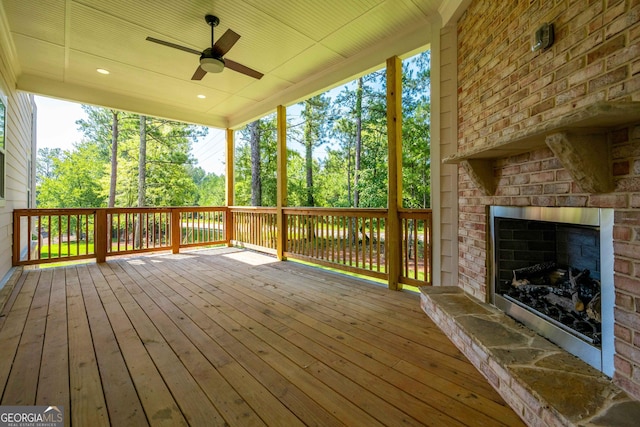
227, 337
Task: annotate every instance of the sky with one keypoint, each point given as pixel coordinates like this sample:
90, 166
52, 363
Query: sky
57, 128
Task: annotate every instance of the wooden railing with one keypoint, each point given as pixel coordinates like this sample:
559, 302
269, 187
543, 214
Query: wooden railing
133, 230
416, 246
254, 228
201, 226
346, 239
56, 235
53, 235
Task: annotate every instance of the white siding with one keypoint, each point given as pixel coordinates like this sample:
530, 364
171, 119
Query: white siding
445, 143
18, 139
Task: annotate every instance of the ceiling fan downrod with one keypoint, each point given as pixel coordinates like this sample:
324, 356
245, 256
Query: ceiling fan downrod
213, 21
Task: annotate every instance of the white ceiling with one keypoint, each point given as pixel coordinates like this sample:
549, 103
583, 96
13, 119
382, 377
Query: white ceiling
301, 46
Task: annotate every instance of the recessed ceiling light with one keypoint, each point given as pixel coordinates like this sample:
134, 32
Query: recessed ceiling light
102, 71
201, 96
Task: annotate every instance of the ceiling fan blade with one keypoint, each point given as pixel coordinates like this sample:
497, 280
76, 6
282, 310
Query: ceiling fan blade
232, 65
199, 74
175, 46
226, 42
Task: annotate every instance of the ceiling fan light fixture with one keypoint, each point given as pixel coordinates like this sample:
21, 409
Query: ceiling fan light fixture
212, 65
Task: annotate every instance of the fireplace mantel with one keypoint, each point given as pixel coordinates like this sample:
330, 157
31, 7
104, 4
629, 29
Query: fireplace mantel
579, 140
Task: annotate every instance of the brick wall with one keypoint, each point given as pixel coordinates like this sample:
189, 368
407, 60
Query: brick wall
503, 87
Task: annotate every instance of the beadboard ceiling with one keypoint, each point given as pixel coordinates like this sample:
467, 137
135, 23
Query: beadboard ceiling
301, 46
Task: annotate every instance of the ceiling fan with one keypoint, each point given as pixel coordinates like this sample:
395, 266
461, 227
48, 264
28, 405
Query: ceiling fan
211, 59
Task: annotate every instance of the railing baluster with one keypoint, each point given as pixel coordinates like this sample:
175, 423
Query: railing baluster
370, 243
86, 234
356, 240
39, 237
378, 242
416, 248
28, 236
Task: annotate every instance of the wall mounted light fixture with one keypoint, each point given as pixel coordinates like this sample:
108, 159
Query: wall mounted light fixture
543, 38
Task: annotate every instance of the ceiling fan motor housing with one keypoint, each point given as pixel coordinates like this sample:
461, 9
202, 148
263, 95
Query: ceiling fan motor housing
211, 62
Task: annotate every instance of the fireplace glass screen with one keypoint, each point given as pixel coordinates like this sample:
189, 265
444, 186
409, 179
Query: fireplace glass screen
553, 269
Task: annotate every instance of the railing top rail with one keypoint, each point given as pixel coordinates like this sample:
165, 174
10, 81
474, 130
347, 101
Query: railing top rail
414, 211
256, 209
137, 210
168, 209
335, 211
199, 208
54, 212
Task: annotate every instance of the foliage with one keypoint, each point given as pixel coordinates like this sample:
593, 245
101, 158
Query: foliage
80, 177
242, 179
336, 157
73, 180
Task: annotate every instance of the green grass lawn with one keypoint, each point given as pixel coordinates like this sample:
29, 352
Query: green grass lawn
63, 250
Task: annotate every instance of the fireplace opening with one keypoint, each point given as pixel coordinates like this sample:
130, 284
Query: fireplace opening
553, 271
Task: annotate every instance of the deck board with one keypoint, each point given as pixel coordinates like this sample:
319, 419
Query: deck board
54, 368
119, 391
230, 337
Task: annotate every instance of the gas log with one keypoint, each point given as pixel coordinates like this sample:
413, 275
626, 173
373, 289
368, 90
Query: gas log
578, 304
567, 295
594, 308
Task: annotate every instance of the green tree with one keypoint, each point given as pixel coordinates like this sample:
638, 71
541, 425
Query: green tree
361, 133
74, 181
85, 172
266, 130
315, 112
416, 140
45, 164
210, 188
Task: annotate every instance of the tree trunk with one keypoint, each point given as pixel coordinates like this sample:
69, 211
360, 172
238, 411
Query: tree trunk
256, 166
142, 176
356, 193
114, 159
308, 153
353, 229
142, 162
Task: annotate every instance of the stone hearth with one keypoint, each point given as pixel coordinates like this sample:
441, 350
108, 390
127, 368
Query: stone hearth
543, 383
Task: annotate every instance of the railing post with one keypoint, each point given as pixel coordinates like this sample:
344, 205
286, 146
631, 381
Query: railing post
175, 230
100, 237
394, 136
16, 237
229, 226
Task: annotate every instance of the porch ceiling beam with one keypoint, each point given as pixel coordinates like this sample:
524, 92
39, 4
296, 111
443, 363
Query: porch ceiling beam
92, 96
